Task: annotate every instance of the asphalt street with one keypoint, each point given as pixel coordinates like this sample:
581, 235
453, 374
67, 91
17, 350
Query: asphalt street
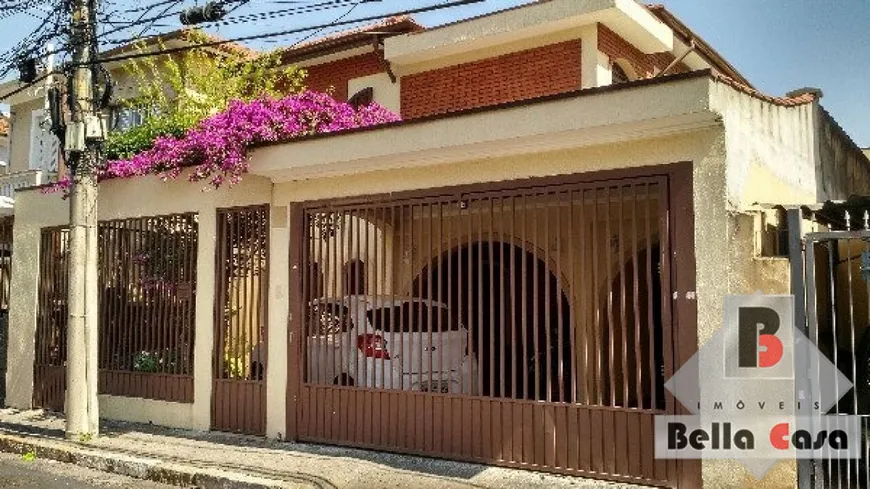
17, 473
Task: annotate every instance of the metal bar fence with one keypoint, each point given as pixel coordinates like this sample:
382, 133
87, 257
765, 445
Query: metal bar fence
490, 325
835, 292
147, 283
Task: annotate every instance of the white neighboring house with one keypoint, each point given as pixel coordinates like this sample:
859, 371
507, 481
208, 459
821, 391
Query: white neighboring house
32, 152
5, 202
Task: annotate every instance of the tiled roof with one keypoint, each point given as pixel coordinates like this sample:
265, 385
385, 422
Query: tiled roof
360, 35
192, 35
687, 35
803, 98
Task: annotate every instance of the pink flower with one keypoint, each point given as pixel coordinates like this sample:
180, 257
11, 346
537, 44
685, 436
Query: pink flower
218, 146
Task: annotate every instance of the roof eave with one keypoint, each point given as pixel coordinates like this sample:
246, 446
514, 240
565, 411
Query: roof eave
550, 123
687, 35
627, 18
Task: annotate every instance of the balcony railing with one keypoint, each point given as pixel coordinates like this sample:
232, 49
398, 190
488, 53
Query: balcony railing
13, 181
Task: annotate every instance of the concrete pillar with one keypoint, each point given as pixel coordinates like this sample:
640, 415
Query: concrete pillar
595, 65
204, 342
22, 316
279, 305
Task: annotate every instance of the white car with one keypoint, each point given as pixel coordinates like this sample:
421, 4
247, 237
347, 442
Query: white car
385, 342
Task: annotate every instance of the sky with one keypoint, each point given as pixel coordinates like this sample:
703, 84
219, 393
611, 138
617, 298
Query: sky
779, 45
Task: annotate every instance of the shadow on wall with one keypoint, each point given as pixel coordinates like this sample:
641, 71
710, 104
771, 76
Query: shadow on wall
4, 346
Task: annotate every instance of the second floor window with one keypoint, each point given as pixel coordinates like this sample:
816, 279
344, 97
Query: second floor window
44, 146
123, 118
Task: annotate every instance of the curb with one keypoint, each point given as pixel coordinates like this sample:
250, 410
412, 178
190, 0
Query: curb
145, 468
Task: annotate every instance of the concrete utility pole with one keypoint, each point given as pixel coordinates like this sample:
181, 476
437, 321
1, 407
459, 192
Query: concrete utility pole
83, 143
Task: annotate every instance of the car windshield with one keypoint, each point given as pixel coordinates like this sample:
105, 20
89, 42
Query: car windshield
413, 317
328, 318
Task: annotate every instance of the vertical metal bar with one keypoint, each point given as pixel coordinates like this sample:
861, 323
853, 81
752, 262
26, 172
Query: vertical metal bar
608, 288
398, 270
391, 227
162, 286
548, 319
513, 298
430, 357
380, 288
140, 338
310, 348
580, 295
623, 326
251, 236
597, 333
460, 221
560, 374
798, 290
653, 368
471, 323
536, 309
191, 233
491, 283
635, 279
502, 319
156, 311
480, 303
308, 271
439, 261
341, 279
852, 359
421, 309
222, 305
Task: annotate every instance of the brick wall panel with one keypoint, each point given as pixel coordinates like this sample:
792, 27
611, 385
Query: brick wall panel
645, 65
527, 74
336, 74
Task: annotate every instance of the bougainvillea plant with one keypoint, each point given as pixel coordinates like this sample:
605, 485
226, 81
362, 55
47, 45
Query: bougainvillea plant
217, 148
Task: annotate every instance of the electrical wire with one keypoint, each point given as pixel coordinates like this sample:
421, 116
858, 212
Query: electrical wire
450, 4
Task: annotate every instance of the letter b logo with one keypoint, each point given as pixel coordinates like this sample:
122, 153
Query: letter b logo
757, 343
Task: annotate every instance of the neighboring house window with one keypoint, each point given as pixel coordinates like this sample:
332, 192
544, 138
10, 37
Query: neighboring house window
44, 146
362, 98
124, 118
619, 75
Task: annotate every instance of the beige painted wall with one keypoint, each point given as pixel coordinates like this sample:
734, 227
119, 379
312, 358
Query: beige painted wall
146, 196
387, 93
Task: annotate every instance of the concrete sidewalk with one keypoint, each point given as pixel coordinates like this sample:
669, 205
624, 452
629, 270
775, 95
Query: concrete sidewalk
218, 460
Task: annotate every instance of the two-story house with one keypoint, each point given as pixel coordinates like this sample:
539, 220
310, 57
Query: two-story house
509, 275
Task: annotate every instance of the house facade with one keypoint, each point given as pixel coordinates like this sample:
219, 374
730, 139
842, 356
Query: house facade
507, 276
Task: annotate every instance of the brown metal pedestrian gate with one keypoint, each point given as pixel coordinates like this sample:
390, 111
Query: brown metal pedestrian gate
239, 387
527, 325
49, 368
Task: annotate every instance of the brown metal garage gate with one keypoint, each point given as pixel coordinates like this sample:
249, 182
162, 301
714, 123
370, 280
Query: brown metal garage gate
523, 325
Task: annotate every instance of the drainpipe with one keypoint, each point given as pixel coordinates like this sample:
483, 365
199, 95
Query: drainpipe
378, 45
692, 48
